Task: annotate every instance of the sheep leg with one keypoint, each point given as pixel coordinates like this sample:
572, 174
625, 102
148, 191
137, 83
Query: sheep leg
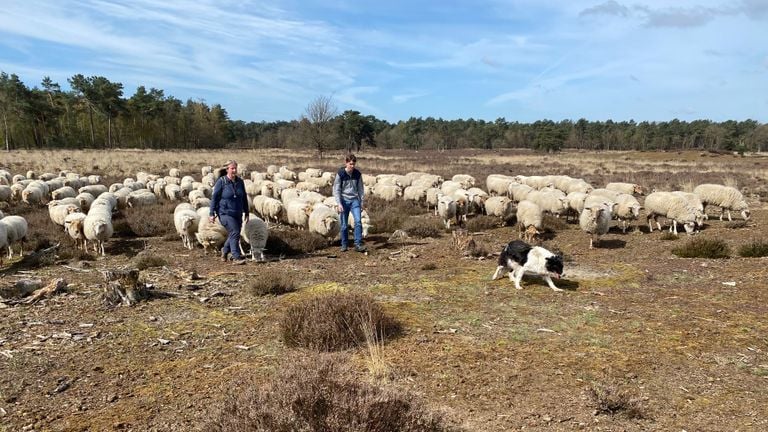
498, 272
674, 226
551, 284
729, 216
650, 224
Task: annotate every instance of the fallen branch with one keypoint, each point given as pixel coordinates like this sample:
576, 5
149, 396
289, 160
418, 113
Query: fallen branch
54, 287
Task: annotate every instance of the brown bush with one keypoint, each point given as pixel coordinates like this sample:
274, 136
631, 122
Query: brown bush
294, 242
146, 259
423, 227
150, 221
319, 393
611, 399
482, 223
272, 281
334, 322
554, 223
389, 216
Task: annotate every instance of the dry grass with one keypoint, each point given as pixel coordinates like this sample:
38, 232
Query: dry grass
271, 281
147, 259
319, 393
294, 242
758, 248
420, 227
611, 399
482, 223
334, 322
703, 248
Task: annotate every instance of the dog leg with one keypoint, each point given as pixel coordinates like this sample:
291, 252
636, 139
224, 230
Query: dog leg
497, 274
518, 277
550, 283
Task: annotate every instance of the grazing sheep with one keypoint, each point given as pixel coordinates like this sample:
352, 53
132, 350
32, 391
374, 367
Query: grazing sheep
94, 189
34, 194
205, 170
416, 194
672, 207
141, 198
501, 207
477, 198
59, 212
605, 193
466, 180
73, 225
255, 232
530, 219
94, 179
312, 197
324, 221
97, 227
174, 172
694, 201
269, 208
63, 192
627, 209
5, 193
307, 186
595, 221
449, 187
518, 191
387, 192
173, 192
210, 234
16, 228
446, 209
432, 195
186, 221
550, 200
575, 204
84, 200
626, 188
726, 197
297, 213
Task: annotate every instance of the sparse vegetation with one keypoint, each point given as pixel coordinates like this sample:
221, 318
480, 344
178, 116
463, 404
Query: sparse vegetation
271, 281
294, 242
429, 266
320, 393
703, 248
757, 248
334, 322
482, 223
737, 224
668, 236
155, 223
422, 228
611, 399
554, 223
147, 259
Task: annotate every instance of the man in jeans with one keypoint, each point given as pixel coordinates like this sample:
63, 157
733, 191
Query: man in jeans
349, 191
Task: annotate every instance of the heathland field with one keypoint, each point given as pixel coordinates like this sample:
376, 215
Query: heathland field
412, 335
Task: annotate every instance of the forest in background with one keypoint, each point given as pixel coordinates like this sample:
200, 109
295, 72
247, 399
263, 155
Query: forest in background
94, 113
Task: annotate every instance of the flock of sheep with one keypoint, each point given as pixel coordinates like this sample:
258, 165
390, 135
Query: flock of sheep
84, 206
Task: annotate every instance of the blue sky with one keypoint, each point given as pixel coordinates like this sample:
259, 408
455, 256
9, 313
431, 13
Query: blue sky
524, 60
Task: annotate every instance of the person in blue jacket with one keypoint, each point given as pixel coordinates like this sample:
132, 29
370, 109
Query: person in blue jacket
349, 192
230, 204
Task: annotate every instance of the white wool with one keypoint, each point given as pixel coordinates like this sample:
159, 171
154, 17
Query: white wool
672, 207
529, 217
595, 220
97, 227
16, 231
388, 192
466, 180
446, 209
518, 191
726, 197
550, 200
186, 221
499, 206
324, 221
59, 212
209, 234
626, 188
498, 184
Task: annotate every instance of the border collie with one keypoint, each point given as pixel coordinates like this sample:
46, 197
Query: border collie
518, 258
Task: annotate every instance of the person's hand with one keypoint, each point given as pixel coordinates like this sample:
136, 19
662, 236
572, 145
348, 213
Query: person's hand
340, 208
211, 219
247, 216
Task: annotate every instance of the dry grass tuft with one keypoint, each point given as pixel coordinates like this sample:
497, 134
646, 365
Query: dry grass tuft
389, 216
152, 221
146, 259
319, 393
423, 228
294, 242
429, 266
668, 236
612, 400
757, 248
553, 223
336, 321
482, 223
703, 248
272, 281
735, 224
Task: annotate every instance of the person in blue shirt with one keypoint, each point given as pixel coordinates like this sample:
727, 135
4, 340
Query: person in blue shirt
349, 192
230, 204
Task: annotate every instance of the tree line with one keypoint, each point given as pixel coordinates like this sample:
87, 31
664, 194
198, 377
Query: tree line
94, 113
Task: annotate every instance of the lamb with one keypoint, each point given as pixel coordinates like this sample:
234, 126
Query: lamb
255, 232
595, 221
530, 219
16, 231
73, 225
365, 221
726, 197
500, 206
626, 188
324, 221
97, 227
210, 234
627, 208
446, 209
186, 221
672, 207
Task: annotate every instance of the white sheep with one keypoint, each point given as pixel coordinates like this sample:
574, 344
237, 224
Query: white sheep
324, 220
73, 225
501, 207
205, 170
365, 221
174, 172
674, 208
726, 197
84, 200
449, 187
446, 209
627, 209
210, 234
269, 208
63, 192
694, 201
16, 229
186, 221
307, 186
5, 193
626, 188
141, 198
34, 194
415, 193
172, 192
518, 191
466, 180
388, 192
477, 198
498, 184
3, 239
595, 221
550, 200
59, 212
297, 213
97, 227
530, 220
94, 189
432, 195
255, 232
575, 204
312, 197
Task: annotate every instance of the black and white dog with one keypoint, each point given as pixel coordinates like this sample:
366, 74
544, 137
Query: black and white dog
518, 258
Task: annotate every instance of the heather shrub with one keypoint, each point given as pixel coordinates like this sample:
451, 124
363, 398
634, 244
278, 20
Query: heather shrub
482, 223
272, 281
423, 227
756, 248
612, 400
294, 242
150, 221
703, 248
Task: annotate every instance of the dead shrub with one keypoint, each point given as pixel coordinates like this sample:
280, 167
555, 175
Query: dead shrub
668, 236
150, 221
612, 400
482, 223
146, 259
754, 249
389, 216
294, 242
319, 393
422, 228
553, 223
334, 322
272, 281
735, 224
703, 248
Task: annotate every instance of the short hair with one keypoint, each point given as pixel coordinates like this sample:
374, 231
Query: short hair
350, 158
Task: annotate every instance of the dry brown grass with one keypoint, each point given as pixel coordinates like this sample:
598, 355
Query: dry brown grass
613, 399
294, 242
271, 281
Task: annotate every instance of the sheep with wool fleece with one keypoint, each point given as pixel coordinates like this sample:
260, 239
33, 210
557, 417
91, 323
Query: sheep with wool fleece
465, 180
209, 234
605, 193
59, 212
432, 195
446, 209
577, 185
518, 191
270, 209
626, 188
98, 228
501, 207
324, 220
141, 198
195, 194
16, 231
530, 220
94, 189
289, 194
307, 186
186, 222
672, 207
5, 193
369, 180
321, 182
205, 170
84, 200
34, 194
16, 190
595, 220
297, 213
172, 180
255, 232
172, 192
498, 184
73, 225
477, 198
174, 172
575, 203
694, 201
414, 193
18, 178
449, 187
201, 202
94, 179
627, 209
5, 177
288, 174
54, 184
258, 176
726, 197
312, 197
550, 200
3, 238
387, 192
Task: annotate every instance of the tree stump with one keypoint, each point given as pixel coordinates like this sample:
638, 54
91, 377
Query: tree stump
463, 242
123, 287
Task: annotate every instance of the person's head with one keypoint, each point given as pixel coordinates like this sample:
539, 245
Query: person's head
349, 162
231, 168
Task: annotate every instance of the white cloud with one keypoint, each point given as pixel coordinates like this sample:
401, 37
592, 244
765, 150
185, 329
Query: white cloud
405, 97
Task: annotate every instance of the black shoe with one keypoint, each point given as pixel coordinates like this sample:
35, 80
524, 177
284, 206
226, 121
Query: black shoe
239, 261
360, 248
344, 248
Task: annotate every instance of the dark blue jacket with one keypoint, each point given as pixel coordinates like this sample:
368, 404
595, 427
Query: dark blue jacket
229, 198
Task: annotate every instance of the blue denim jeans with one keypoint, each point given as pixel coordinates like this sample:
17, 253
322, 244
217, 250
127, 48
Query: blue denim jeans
354, 207
233, 226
